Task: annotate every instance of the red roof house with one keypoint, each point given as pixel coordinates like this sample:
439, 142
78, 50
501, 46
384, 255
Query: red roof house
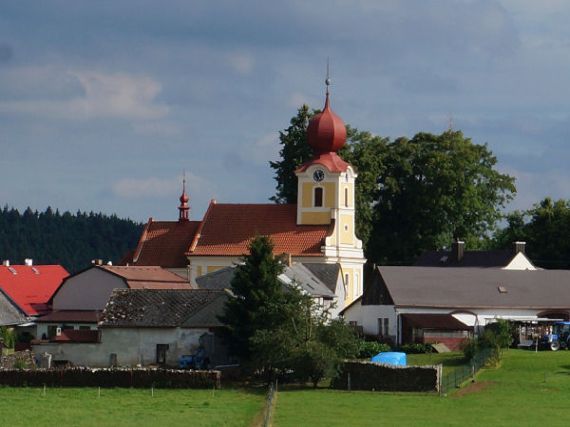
31, 286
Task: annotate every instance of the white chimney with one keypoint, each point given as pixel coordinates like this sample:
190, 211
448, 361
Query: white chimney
109, 262
29, 262
6, 263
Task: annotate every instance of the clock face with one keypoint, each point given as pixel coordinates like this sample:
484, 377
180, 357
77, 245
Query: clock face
318, 175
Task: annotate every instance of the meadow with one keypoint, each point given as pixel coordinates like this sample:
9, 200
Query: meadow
527, 389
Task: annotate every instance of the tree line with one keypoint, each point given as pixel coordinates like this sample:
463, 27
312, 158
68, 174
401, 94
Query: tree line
72, 240
418, 194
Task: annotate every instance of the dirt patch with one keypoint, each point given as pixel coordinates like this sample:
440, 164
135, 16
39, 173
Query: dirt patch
475, 387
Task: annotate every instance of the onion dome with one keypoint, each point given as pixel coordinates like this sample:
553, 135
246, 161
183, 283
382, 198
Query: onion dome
326, 132
184, 208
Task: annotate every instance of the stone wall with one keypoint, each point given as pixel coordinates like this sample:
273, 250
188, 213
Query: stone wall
18, 360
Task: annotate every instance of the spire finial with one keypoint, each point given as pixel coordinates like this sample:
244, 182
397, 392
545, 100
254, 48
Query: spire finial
327, 84
184, 208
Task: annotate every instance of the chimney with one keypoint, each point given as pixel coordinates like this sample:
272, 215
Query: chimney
6, 263
98, 261
457, 250
519, 247
29, 262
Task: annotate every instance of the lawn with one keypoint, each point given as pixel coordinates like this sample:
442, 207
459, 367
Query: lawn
528, 389
128, 407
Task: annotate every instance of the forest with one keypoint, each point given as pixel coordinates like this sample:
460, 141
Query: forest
72, 240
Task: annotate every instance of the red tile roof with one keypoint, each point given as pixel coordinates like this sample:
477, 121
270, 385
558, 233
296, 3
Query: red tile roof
227, 229
331, 161
31, 287
164, 243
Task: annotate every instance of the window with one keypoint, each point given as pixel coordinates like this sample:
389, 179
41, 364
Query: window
383, 326
318, 197
345, 197
161, 350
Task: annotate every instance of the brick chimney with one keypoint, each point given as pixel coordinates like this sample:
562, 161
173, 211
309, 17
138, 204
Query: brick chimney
519, 247
457, 250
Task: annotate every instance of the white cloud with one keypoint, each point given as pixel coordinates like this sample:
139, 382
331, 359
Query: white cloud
120, 96
534, 186
153, 187
157, 128
264, 149
241, 62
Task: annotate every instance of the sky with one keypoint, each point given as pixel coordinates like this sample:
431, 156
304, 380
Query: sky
104, 104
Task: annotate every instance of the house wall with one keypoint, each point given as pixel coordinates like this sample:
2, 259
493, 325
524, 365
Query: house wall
132, 346
89, 290
42, 328
367, 316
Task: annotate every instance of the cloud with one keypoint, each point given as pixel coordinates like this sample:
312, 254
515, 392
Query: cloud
157, 128
154, 187
264, 149
241, 62
115, 96
6, 53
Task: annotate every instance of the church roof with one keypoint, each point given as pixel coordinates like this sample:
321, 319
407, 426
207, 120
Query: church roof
164, 243
227, 229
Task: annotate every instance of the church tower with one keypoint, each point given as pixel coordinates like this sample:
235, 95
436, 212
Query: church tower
326, 196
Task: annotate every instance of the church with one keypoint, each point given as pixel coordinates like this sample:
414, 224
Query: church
319, 228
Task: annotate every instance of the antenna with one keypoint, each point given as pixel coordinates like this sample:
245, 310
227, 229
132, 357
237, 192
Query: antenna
450, 122
183, 180
328, 80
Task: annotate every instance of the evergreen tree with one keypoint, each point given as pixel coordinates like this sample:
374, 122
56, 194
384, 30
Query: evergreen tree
258, 296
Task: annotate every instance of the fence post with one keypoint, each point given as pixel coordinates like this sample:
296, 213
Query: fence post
348, 386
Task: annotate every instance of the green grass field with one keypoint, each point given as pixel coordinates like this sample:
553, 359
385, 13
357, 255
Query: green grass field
529, 389
128, 407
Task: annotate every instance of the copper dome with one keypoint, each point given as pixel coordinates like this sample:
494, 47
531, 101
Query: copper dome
326, 132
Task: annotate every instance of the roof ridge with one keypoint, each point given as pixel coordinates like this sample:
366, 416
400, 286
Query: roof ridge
140, 244
198, 233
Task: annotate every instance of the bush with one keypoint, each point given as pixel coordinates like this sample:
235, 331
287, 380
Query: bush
367, 349
416, 348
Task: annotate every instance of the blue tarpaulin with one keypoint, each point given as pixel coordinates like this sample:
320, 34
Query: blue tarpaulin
390, 358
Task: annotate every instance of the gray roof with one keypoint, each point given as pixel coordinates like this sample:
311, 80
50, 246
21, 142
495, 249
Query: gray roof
493, 258
308, 281
326, 273
466, 287
164, 308
10, 313
315, 279
219, 279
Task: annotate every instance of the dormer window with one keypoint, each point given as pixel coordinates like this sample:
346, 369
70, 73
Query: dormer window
318, 197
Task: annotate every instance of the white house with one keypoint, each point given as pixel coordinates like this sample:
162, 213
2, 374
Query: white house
473, 296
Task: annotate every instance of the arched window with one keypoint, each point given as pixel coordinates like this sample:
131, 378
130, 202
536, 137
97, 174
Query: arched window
345, 197
318, 197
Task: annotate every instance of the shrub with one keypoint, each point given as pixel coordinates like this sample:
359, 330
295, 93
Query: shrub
416, 348
367, 349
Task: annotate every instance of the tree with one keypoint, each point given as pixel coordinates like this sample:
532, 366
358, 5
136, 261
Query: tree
258, 298
294, 152
412, 195
544, 227
434, 188
275, 330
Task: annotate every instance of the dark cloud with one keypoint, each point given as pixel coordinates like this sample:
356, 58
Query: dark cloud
6, 53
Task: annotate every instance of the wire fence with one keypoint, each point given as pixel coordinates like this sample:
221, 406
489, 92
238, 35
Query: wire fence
269, 404
454, 378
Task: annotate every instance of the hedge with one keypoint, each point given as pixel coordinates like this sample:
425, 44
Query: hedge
378, 377
115, 377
